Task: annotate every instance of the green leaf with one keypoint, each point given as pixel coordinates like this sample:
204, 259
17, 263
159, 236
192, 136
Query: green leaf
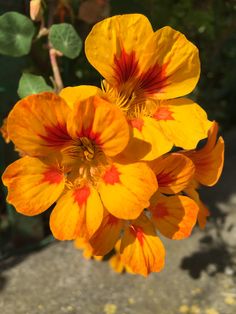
16, 34
64, 38
32, 84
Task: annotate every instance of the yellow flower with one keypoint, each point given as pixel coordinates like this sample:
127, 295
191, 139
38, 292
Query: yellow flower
71, 159
144, 71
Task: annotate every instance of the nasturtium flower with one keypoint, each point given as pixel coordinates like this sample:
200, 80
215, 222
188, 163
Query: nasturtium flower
172, 214
71, 160
208, 162
144, 71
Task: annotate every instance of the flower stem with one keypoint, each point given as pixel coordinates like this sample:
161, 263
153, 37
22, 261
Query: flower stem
56, 72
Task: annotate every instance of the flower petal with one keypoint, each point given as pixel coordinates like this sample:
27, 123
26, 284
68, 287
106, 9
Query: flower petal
33, 186
203, 212
110, 48
209, 160
174, 216
83, 244
179, 60
104, 240
147, 139
71, 95
37, 124
77, 209
126, 189
188, 124
141, 250
101, 122
173, 173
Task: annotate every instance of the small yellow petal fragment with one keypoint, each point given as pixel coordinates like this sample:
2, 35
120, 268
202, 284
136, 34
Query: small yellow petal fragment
230, 300
195, 309
184, 309
110, 308
131, 301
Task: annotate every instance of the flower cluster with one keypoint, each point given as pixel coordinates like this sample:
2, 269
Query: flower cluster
120, 163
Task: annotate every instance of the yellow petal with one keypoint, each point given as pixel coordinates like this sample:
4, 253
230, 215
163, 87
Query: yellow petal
141, 250
71, 95
109, 41
126, 189
188, 124
147, 141
33, 186
173, 172
179, 60
37, 124
78, 208
174, 216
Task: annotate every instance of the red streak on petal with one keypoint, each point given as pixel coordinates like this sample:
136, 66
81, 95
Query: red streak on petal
163, 113
56, 136
160, 211
81, 195
137, 124
112, 220
164, 179
92, 136
52, 176
125, 66
111, 176
154, 79
138, 233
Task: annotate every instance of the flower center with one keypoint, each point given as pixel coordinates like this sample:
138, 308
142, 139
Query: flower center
130, 100
87, 148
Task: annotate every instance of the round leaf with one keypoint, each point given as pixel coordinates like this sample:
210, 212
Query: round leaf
32, 84
64, 38
16, 34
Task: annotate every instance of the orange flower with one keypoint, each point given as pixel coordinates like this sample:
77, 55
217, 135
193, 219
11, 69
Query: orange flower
208, 162
144, 71
141, 251
174, 216
70, 160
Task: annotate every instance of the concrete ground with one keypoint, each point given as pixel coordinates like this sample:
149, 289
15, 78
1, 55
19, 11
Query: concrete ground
199, 277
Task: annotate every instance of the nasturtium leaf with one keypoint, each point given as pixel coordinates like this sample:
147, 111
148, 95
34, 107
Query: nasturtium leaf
16, 34
64, 38
32, 84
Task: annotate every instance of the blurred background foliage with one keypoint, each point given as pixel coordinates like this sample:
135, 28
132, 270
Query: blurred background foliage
210, 24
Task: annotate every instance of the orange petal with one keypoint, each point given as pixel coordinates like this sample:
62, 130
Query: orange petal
188, 123
100, 122
173, 172
104, 240
174, 216
141, 250
209, 160
78, 208
203, 212
33, 186
126, 189
83, 244
37, 124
